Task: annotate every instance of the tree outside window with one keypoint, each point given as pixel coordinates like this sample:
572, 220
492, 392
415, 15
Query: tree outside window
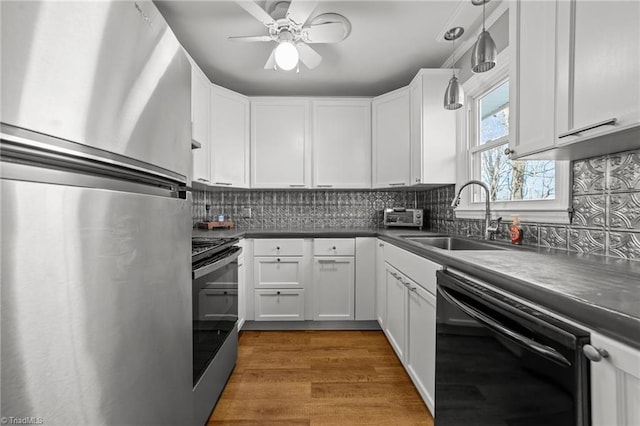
508, 180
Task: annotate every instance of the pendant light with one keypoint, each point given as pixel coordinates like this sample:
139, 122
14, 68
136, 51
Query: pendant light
483, 54
454, 95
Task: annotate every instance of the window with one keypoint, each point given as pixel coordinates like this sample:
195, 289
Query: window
508, 180
534, 190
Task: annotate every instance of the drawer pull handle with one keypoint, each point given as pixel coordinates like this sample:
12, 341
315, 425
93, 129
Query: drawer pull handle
324, 186
224, 183
594, 354
609, 122
397, 184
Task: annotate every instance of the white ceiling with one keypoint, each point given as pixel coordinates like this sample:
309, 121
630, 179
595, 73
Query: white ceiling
390, 40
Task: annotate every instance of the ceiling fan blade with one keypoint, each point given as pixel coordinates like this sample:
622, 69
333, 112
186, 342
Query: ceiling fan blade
250, 38
332, 32
271, 62
299, 10
258, 13
308, 56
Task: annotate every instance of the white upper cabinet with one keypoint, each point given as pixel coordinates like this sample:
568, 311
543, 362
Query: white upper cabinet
575, 72
342, 143
532, 40
200, 125
599, 67
280, 143
433, 130
391, 139
229, 138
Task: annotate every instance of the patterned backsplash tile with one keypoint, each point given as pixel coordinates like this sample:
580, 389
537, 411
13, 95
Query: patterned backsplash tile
606, 202
605, 195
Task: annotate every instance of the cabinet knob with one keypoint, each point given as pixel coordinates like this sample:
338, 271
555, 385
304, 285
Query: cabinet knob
508, 151
380, 245
333, 248
277, 292
277, 247
594, 354
278, 259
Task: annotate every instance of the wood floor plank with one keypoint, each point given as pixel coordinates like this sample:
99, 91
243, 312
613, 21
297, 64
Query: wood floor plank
318, 378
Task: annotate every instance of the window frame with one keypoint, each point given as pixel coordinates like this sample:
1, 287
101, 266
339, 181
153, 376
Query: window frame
548, 211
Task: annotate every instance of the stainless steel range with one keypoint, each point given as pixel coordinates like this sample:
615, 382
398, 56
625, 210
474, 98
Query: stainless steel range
215, 315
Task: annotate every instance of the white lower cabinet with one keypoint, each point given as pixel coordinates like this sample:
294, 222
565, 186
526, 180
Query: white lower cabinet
334, 290
615, 384
242, 289
279, 305
280, 275
410, 316
380, 284
279, 272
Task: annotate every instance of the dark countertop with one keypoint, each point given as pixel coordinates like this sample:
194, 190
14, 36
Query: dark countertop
599, 292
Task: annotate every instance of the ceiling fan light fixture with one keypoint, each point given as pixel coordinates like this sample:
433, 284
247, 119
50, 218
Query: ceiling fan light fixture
484, 52
286, 55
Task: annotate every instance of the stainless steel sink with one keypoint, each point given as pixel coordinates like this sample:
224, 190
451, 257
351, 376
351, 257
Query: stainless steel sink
454, 243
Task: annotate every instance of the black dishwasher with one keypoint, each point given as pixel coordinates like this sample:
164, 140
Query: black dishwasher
501, 362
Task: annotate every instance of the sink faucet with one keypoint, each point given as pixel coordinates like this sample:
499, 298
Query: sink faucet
489, 231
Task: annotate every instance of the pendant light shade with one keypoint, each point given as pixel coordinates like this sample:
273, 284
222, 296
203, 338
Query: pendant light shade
483, 54
454, 95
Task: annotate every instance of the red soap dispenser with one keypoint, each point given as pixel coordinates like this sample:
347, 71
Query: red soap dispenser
516, 231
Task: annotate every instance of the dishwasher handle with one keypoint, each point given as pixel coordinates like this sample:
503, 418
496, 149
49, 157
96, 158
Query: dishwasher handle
494, 325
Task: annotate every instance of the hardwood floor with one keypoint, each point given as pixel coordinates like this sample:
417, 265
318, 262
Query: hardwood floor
318, 378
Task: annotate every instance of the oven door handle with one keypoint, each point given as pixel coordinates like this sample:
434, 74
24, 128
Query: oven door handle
201, 272
494, 325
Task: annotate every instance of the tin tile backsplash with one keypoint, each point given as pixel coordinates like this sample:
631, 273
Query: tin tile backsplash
605, 196
272, 209
606, 203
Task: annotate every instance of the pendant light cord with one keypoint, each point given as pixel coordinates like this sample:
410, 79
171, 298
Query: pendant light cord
484, 3
453, 63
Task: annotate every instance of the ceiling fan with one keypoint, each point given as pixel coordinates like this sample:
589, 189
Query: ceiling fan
286, 24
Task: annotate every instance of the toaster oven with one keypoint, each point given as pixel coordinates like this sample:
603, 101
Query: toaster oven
399, 216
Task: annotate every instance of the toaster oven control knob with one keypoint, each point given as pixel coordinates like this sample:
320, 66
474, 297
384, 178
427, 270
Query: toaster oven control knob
594, 354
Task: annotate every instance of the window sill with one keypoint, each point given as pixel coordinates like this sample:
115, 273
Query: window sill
560, 216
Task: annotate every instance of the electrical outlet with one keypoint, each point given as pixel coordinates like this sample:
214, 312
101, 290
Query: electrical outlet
246, 212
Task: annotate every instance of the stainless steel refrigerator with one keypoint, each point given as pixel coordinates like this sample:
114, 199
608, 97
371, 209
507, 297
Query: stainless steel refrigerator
96, 223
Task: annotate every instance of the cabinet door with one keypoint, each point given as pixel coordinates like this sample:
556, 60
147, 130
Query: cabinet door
229, 138
278, 272
333, 288
395, 311
433, 130
381, 285
391, 139
200, 126
342, 144
279, 144
421, 341
615, 384
532, 76
279, 305
599, 66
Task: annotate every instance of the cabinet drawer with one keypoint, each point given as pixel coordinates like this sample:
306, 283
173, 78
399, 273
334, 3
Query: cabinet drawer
279, 272
279, 305
278, 247
334, 247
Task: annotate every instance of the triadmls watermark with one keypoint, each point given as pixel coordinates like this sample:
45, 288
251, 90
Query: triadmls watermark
28, 420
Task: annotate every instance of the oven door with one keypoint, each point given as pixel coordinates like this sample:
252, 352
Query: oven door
215, 308
499, 362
